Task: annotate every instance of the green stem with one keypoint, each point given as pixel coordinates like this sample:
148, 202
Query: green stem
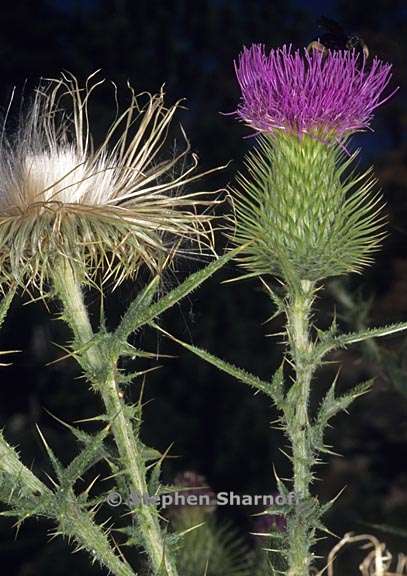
298, 424
73, 522
104, 381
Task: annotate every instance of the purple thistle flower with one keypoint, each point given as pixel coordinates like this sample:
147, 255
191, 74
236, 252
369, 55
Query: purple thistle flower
328, 95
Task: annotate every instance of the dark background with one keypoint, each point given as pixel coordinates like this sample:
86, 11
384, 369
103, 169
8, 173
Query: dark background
217, 426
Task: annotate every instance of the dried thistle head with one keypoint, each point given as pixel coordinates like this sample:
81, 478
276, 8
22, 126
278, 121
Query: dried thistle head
108, 209
377, 562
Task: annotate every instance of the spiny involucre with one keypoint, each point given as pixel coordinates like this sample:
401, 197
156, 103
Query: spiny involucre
107, 209
299, 204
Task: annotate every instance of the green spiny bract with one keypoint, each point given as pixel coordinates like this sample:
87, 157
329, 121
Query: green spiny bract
305, 213
210, 547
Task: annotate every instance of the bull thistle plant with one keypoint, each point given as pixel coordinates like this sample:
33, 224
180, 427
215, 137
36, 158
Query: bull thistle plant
73, 216
302, 214
313, 217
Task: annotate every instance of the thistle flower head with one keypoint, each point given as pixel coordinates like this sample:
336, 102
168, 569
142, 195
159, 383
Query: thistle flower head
326, 95
301, 211
108, 209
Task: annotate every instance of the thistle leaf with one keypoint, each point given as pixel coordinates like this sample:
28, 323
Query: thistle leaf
12, 467
329, 407
238, 373
277, 386
150, 453
379, 332
136, 315
93, 452
146, 296
154, 483
333, 342
56, 464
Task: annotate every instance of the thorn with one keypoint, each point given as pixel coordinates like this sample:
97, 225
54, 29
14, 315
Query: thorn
92, 483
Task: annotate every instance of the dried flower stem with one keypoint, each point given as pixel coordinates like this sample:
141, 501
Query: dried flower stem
104, 382
378, 561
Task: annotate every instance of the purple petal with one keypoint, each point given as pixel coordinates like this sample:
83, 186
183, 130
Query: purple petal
329, 94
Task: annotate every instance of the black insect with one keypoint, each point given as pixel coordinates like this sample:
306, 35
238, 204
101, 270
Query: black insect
334, 37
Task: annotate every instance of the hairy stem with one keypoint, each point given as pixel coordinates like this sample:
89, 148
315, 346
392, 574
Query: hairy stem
128, 446
298, 425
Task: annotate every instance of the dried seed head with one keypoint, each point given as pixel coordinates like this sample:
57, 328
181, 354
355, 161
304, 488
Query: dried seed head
109, 209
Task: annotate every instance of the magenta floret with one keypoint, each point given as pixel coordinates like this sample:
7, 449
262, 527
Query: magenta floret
332, 94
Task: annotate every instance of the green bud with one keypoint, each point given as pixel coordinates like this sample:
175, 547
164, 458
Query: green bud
304, 212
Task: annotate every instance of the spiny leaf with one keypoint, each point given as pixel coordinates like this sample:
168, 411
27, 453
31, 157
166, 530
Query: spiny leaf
127, 349
88, 457
150, 453
154, 480
125, 379
277, 300
140, 304
328, 505
343, 340
331, 405
146, 296
11, 466
133, 534
282, 488
238, 373
135, 317
57, 466
82, 436
38, 500
277, 385
353, 337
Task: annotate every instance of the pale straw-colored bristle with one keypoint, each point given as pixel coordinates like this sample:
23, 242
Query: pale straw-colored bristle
377, 562
109, 208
